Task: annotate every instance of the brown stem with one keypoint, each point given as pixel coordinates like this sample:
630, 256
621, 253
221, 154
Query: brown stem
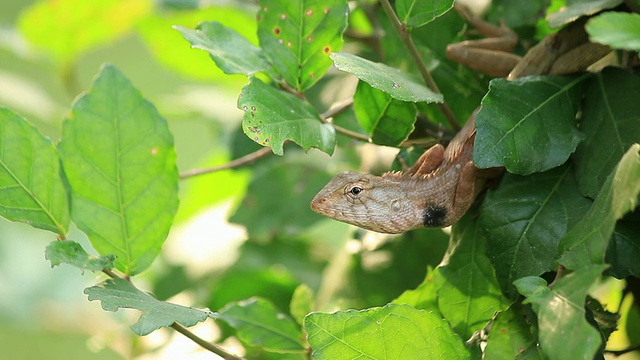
401, 29
241, 161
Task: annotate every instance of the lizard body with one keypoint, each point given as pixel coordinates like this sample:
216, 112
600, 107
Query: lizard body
435, 192
443, 184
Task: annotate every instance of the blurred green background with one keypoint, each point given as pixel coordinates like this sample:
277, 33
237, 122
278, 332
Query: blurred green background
49, 53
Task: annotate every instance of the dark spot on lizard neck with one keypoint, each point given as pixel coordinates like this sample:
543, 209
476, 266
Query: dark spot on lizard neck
434, 216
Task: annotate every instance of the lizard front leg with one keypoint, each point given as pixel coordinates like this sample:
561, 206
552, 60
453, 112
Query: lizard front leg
469, 184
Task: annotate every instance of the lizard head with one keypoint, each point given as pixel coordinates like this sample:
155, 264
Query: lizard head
368, 201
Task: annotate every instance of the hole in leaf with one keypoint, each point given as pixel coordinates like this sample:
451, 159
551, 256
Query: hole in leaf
309, 12
283, 16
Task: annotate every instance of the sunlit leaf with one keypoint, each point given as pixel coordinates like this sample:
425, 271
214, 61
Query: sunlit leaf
392, 332
528, 125
469, 281
302, 303
396, 83
524, 230
611, 116
272, 116
231, 52
388, 121
259, 323
561, 314
299, 35
420, 12
586, 243
118, 293
424, 297
617, 29
118, 157
61, 28
72, 253
31, 189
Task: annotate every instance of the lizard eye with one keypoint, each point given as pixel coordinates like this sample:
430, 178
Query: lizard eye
355, 191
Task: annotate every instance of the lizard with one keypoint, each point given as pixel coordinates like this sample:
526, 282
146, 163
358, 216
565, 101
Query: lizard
443, 184
435, 192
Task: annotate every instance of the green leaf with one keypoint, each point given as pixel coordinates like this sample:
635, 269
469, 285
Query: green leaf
302, 303
533, 287
31, 189
561, 315
616, 29
416, 13
469, 281
392, 332
577, 8
523, 231
388, 121
610, 116
170, 49
233, 53
272, 116
587, 242
119, 293
62, 30
396, 83
623, 251
424, 297
516, 14
118, 156
72, 253
298, 36
259, 323
528, 125
280, 180
511, 337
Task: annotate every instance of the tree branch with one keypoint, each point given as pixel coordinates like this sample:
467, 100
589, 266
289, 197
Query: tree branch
336, 109
401, 29
241, 161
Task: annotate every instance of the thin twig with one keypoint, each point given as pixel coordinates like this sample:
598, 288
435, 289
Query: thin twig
338, 108
205, 344
236, 163
401, 29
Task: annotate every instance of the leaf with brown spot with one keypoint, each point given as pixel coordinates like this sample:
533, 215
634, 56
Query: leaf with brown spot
297, 36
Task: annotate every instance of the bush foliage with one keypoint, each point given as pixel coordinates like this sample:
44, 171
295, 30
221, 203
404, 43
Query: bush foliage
523, 273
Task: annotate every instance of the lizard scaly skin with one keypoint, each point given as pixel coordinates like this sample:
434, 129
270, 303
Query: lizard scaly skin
435, 192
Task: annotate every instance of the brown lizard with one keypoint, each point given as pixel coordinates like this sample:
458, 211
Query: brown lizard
435, 192
443, 184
